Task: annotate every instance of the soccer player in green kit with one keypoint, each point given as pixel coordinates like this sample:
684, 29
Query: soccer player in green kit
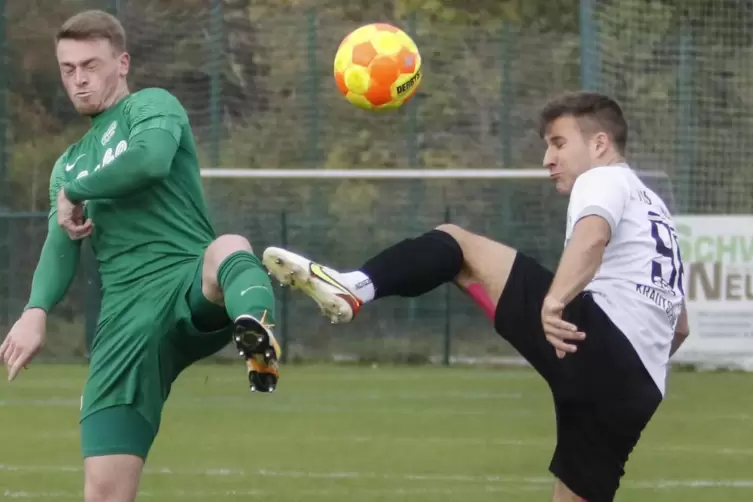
173, 292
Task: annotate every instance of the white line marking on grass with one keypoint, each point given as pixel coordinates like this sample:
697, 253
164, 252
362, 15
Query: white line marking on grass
490, 481
46, 383
298, 409
665, 484
51, 402
38, 495
380, 374
210, 495
201, 373
460, 441
440, 440
547, 445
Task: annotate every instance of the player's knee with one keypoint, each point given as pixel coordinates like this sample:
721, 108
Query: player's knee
112, 478
458, 233
227, 244
107, 492
100, 490
486, 266
216, 253
221, 248
465, 240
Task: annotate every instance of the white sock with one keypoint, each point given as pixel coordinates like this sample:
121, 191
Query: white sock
359, 284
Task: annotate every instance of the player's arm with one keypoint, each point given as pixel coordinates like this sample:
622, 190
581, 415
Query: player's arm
597, 202
155, 131
59, 258
52, 278
682, 331
146, 161
581, 258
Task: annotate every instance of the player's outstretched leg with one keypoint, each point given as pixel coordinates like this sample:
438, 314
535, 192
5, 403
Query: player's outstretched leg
409, 268
233, 276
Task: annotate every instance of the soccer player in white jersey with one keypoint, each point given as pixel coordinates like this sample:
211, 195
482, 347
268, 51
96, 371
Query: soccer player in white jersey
600, 330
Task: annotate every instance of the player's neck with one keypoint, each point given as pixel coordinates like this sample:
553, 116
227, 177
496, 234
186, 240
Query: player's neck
120, 92
111, 102
611, 160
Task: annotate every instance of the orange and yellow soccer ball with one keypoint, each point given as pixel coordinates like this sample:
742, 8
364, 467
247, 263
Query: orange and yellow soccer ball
378, 67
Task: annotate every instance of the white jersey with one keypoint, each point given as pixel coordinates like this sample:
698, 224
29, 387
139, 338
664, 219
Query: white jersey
639, 284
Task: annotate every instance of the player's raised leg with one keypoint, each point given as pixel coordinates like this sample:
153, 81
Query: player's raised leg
507, 285
409, 268
233, 276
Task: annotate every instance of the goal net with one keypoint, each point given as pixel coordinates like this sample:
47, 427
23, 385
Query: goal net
682, 73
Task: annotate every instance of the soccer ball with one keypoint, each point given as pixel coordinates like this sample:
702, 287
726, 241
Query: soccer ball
378, 67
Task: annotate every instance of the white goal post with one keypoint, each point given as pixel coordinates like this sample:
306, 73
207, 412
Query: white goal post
445, 174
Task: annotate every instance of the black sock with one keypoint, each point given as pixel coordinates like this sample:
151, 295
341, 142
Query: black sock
415, 266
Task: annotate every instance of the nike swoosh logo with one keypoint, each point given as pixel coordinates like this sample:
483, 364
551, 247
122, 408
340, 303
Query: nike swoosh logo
319, 272
252, 287
69, 167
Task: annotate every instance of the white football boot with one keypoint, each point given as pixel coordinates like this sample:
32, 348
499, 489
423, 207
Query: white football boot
336, 301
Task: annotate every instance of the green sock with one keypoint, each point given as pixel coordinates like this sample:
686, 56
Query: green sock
246, 287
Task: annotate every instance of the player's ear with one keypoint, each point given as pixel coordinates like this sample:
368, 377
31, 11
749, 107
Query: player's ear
124, 64
600, 144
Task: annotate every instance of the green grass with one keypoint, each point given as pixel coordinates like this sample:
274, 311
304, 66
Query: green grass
372, 434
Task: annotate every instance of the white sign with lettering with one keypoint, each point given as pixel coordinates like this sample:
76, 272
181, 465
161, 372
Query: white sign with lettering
717, 252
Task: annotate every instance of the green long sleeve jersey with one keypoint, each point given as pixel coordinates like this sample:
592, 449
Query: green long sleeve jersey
137, 172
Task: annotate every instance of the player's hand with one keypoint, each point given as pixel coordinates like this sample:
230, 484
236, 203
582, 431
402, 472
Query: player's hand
24, 340
558, 331
71, 218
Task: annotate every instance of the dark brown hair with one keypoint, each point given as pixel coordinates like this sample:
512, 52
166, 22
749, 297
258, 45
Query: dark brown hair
92, 25
594, 112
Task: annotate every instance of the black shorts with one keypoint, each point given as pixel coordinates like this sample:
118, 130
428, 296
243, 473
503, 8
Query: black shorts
603, 394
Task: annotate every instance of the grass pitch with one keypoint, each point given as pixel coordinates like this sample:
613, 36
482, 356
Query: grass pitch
374, 434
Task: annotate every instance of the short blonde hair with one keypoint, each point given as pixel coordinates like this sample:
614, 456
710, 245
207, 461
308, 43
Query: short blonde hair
92, 25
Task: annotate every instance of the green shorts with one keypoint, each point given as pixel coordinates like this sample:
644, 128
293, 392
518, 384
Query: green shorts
144, 340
